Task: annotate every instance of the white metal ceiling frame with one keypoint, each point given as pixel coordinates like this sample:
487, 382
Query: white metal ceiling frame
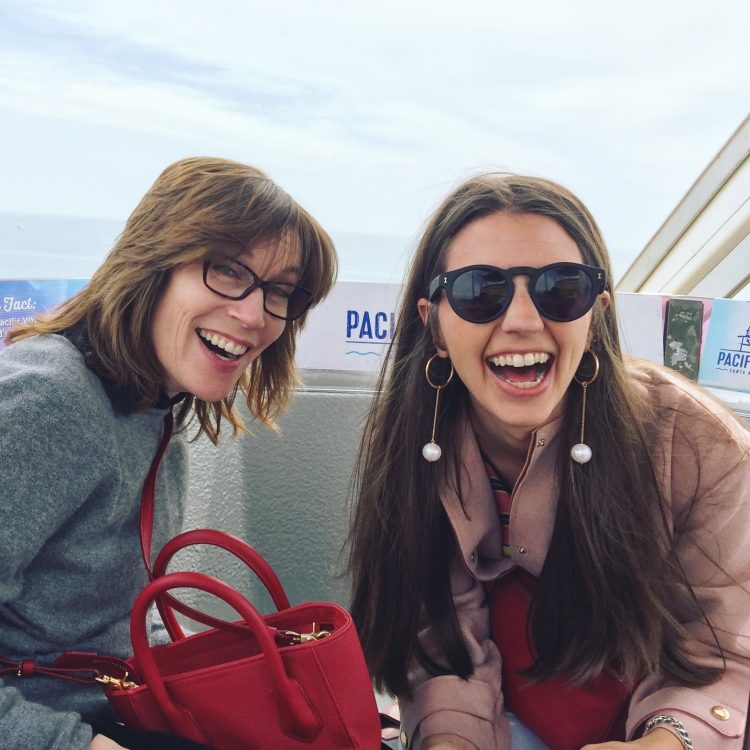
703, 247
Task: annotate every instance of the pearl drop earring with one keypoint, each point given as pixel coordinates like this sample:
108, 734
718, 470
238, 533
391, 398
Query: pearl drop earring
580, 452
432, 450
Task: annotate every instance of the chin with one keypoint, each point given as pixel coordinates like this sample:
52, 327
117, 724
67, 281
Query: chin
209, 395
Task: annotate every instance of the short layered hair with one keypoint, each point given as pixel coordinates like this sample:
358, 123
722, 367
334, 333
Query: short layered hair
194, 205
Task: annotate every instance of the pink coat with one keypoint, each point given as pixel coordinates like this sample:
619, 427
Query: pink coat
700, 452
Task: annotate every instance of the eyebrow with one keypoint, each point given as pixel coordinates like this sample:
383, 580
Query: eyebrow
296, 270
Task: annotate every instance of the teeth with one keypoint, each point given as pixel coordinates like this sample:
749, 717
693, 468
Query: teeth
519, 360
228, 346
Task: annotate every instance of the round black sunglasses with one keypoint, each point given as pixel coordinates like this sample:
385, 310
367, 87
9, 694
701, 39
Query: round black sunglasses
560, 291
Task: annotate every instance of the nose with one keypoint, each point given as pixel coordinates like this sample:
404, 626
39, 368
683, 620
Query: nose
521, 315
249, 312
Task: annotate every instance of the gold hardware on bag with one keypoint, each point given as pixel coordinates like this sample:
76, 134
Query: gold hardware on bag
121, 683
297, 638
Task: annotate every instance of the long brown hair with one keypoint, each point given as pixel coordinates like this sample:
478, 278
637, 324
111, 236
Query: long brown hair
194, 204
611, 581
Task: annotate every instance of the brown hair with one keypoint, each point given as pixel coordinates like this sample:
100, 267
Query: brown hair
193, 205
613, 558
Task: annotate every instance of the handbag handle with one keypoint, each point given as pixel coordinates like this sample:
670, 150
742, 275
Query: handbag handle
167, 604
296, 716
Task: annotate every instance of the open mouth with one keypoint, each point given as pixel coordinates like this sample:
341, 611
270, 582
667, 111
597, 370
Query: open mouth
521, 370
221, 347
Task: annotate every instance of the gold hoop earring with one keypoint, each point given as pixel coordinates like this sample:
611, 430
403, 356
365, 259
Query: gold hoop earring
432, 450
580, 452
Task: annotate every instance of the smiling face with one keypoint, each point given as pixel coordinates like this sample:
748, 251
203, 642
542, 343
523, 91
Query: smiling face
204, 342
518, 367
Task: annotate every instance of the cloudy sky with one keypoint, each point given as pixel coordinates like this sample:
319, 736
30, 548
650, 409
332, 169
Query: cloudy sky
368, 112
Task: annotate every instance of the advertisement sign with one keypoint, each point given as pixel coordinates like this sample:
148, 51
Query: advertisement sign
726, 358
350, 329
21, 301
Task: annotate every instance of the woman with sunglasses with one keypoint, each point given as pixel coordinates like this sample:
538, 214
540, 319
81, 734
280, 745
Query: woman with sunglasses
199, 301
541, 526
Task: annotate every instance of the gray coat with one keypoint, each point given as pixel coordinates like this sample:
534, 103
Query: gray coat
73, 456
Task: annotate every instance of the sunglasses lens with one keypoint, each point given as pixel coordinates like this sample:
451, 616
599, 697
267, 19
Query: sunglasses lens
479, 295
564, 294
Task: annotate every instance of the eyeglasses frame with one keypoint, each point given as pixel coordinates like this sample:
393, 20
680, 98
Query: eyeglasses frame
445, 281
257, 284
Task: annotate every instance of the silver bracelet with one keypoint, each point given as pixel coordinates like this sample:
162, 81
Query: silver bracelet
678, 726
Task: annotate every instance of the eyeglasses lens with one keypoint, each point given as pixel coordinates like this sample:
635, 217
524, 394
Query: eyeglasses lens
563, 293
228, 278
478, 295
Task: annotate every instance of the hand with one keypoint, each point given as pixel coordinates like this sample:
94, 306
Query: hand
656, 739
447, 742
100, 742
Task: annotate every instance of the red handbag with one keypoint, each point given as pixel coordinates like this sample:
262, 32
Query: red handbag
563, 716
296, 678
292, 679
289, 680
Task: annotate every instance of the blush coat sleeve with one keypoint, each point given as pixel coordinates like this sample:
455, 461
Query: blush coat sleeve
705, 477
473, 708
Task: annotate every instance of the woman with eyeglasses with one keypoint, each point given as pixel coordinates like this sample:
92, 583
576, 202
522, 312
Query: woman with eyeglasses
549, 543
199, 302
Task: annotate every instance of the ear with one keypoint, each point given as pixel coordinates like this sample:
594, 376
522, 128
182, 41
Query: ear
603, 299
423, 308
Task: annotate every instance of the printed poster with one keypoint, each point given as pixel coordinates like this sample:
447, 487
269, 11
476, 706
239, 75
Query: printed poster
21, 301
351, 329
726, 357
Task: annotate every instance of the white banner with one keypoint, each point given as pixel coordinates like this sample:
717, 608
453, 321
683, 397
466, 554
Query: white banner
351, 329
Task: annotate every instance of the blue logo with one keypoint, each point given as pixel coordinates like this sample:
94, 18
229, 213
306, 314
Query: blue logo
369, 328
736, 361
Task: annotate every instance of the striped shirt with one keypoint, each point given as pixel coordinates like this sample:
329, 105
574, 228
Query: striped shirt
502, 499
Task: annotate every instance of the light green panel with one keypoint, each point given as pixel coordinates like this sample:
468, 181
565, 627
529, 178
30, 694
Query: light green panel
285, 494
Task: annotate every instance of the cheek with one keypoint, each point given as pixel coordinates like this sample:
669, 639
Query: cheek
577, 342
274, 332
449, 333
160, 335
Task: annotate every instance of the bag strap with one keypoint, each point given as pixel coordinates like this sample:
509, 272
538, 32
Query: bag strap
148, 495
89, 667
166, 603
73, 666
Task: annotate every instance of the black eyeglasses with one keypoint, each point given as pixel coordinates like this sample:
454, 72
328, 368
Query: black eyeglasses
229, 278
560, 291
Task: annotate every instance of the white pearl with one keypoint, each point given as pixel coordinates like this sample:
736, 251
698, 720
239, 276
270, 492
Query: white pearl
432, 452
580, 453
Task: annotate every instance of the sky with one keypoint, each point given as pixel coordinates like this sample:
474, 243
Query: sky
368, 113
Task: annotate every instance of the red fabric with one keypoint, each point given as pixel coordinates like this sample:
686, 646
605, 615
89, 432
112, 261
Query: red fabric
235, 687
564, 717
